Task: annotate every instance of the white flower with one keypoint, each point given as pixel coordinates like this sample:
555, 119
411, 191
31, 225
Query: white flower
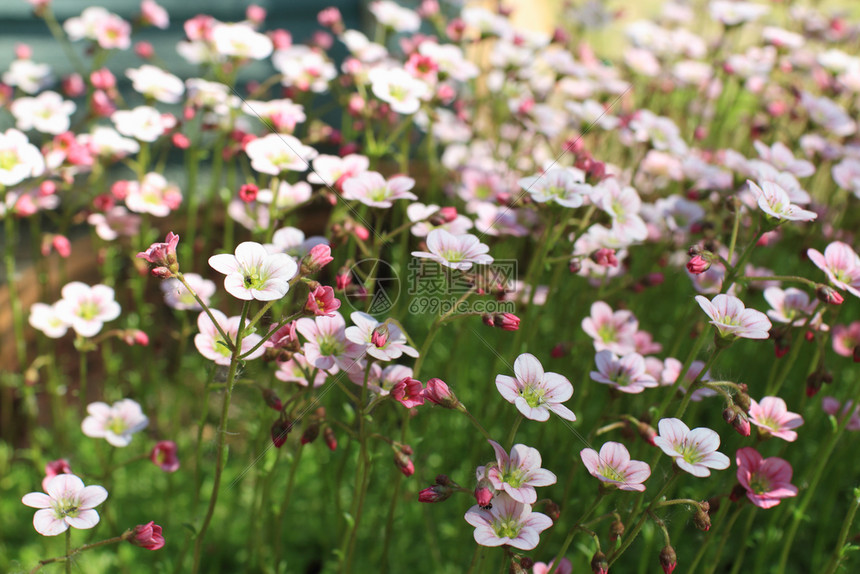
211, 344
153, 82
67, 503
455, 251
253, 273
44, 318
28, 76
774, 201
304, 68
398, 88
370, 188
107, 142
329, 170
388, 347
240, 41
392, 15
275, 153
144, 123
19, 159
48, 113
114, 423
694, 451
559, 185
87, 308
534, 392
178, 297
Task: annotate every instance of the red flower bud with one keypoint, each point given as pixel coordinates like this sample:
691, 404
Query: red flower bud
147, 536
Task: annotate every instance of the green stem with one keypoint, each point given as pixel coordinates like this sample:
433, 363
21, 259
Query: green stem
475, 422
278, 543
635, 532
513, 432
689, 394
843, 535
222, 432
69, 552
574, 529
739, 559
68, 563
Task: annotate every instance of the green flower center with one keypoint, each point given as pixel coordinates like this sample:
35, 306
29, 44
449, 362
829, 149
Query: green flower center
690, 453
8, 159
533, 395
66, 507
329, 346
117, 426
398, 93
612, 474
88, 310
606, 333
253, 280
453, 256
506, 528
515, 477
759, 484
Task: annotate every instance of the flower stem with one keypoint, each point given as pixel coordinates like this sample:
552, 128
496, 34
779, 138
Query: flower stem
689, 394
475, 422
69, 552
838, 552
576, 527
222, 432
727, 532
635, 532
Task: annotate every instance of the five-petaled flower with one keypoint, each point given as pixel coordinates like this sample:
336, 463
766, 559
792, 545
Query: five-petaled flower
65, 502
519, 473
507, 522
773, 417
116, 424
694, 451
254, 273
534, 392
733, 320
766, 480
455, 251
612, 466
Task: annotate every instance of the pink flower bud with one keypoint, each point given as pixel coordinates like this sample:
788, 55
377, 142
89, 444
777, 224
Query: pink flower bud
403, 461
605, 257
668, 560
272, 400
62, 245
318, 257
438, 393
330, 438
311, 433
281, 39
434, 493
163, 254
180, 141
248, 192
599, 564
829, 295
23, 51
280, 429
698, 264
103, 79
484, 493
163, 455
342, 280
147, 536
506, 321
144, 50
102, 104
379, 336
256, 14
53, 468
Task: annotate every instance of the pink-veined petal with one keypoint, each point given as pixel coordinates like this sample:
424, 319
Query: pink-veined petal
84, 520
46, 523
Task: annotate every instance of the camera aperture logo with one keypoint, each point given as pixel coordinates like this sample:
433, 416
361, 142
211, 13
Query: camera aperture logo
436, 289
374, 288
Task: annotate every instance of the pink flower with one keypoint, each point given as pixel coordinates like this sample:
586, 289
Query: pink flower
211, 345
408, 392
366, 329
54, 468
327, 347
116, 424
614, 467
147, 536
154, 15
698, 264
627, 374
67, 503
733, 320
282, 338
789, 306
455, 251
163, 254
767, 480
519, 473
253, 273
832, 407
694, 451
841, 264
564, 567
611, 330
507, 522
321, 301
163, 455
846, 338
534, 392
773, 416
370, 188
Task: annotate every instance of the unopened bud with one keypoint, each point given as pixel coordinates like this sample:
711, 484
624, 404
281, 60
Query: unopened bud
828, 295
330, 438
484, 493
379, 336
280, 429
272, 400
605, 257
738, 419
646, 432
668, 560
311, 433
701, 518
403, 462
616, 530
599, 564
